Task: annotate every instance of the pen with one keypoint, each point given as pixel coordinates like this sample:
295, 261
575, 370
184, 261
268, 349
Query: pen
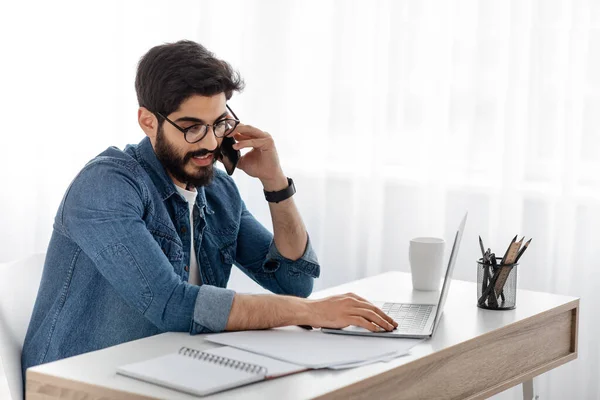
482, 248
522, 250
495, 265
485, 293
493, 260
489, 293
486, 271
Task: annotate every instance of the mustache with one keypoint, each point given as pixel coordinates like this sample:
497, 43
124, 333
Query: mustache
202, 152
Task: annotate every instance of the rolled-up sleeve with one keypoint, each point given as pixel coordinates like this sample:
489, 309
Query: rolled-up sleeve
260, 259
109, 228
213, 306
307, 264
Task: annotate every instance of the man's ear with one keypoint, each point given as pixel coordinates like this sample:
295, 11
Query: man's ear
148, 122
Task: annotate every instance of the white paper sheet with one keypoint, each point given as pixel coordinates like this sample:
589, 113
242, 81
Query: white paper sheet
314, 349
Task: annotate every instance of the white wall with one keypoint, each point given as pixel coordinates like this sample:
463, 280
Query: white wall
393, 117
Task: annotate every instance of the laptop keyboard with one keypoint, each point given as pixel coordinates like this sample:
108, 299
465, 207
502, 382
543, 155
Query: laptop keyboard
410, 317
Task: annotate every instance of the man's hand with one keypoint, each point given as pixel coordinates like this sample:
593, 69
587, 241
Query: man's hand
262, 161
264, 311
348, 309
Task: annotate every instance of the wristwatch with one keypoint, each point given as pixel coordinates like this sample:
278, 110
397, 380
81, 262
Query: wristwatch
276, 197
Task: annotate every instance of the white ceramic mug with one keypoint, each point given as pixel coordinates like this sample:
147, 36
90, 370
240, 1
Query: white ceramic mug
426, 257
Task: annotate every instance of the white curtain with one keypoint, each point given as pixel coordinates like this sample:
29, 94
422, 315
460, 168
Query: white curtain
393, 118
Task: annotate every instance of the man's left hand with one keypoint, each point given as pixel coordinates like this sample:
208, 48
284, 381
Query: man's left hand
262, 161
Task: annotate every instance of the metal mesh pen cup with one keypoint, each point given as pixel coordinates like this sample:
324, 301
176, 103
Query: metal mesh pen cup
496, 286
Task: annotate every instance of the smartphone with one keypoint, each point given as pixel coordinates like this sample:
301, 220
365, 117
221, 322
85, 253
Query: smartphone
229, 156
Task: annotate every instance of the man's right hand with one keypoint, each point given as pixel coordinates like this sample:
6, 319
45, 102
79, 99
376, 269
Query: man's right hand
265, 311
347, 309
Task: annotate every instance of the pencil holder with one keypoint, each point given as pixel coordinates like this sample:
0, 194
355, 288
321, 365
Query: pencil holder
496, 285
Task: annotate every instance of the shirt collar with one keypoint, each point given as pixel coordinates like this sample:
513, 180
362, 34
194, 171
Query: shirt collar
144, 153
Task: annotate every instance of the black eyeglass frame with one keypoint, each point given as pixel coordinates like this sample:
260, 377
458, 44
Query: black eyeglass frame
185, 130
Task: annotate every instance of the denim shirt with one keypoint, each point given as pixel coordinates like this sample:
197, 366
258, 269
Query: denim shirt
117, 264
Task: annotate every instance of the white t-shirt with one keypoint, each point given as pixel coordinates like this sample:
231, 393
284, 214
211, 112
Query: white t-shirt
190, 197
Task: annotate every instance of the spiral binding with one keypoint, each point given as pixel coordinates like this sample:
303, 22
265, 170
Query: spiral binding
224, 361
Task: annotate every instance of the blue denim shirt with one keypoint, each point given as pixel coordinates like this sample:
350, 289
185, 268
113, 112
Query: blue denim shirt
116, 268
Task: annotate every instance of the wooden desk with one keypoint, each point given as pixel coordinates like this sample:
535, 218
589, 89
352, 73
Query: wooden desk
539, 335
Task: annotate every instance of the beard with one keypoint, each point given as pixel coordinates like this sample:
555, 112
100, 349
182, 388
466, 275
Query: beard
175, 164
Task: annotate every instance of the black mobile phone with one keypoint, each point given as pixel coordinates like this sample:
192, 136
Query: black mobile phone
229, 156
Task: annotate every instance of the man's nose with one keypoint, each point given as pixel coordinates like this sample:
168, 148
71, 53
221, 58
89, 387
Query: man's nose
210, 140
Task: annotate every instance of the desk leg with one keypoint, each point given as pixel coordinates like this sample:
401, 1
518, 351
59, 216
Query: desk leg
528, 393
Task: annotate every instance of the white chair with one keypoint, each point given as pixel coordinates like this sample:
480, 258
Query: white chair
19, 284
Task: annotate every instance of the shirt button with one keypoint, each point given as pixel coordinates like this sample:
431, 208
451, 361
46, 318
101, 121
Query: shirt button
186, 268
183, 230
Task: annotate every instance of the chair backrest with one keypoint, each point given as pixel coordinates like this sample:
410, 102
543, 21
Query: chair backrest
19, 284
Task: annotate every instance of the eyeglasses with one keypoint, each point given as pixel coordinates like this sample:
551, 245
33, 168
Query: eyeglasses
197, 132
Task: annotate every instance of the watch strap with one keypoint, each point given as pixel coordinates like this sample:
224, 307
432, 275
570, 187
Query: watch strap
280, 195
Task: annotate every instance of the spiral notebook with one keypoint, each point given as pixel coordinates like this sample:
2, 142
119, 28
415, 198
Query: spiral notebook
205, 372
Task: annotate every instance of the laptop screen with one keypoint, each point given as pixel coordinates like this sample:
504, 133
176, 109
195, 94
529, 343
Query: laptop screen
449, 270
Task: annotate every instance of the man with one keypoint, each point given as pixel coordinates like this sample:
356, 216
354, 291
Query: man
144, 238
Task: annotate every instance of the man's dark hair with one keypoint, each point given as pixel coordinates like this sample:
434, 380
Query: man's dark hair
170, 73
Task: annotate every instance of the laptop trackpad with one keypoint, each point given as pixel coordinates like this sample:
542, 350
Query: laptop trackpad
353, 328
359, 329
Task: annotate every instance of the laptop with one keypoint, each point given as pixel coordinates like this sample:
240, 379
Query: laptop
414, 320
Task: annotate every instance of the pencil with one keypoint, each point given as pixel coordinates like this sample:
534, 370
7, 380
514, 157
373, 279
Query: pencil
523, 250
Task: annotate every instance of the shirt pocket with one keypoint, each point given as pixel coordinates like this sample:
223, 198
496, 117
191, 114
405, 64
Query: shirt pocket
171, 248
228, 253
